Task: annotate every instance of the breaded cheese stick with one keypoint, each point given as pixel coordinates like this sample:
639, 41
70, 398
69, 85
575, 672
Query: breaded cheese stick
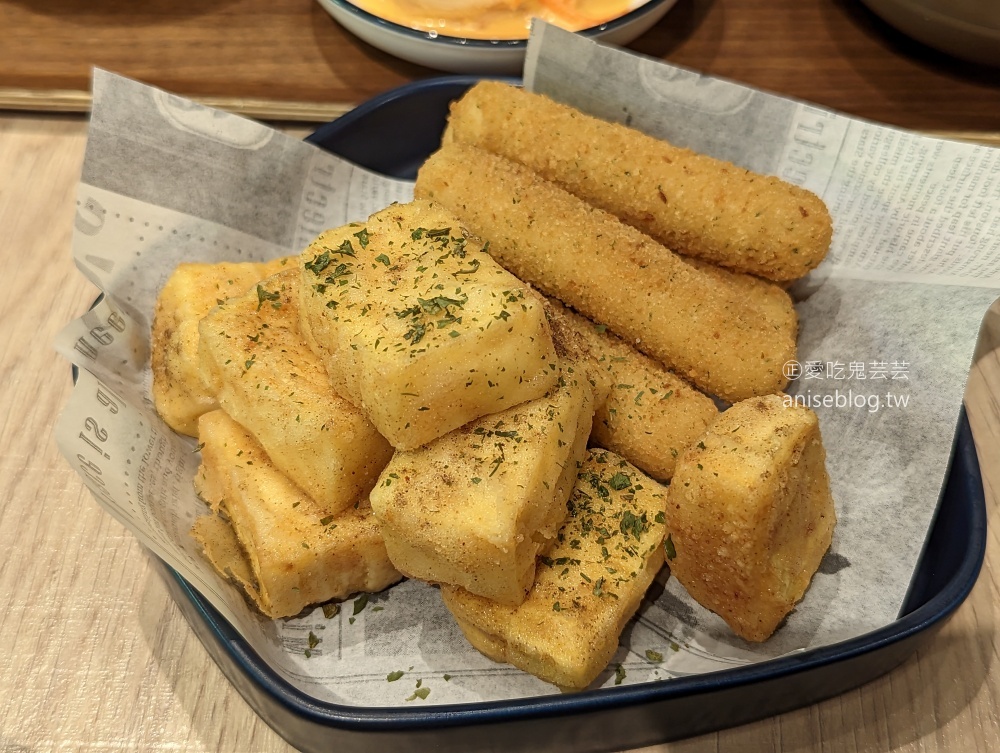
651, 416
692, 203
722, 336
770, 299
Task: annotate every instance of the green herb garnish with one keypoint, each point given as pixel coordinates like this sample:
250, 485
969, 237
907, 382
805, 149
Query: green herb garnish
619, 674
264, 295
668, 548
619, 481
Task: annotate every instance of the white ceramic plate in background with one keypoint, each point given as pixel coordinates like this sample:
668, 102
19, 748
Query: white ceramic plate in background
458, 55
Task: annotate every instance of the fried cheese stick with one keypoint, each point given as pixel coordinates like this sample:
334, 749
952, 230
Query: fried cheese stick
692, 203
721, 335
650, 416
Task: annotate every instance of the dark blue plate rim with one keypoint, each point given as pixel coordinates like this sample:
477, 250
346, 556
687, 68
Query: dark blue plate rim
416, 89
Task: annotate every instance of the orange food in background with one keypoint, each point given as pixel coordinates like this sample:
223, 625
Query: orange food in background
494, 19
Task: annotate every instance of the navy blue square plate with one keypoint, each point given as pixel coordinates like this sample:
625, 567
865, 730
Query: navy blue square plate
393, 134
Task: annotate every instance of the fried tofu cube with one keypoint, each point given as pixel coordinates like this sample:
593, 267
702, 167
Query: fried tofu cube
750, 513
191, 292
651, 415
267, 379
475, 507
419, 327
297, 552
587, 588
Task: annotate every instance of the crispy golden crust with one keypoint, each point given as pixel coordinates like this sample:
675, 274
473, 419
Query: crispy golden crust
189, 294
691, 203
418, 326
476, 506
720, 333
222, 548
651, 416
750, 513
268, 380
770, 300
297, 552
588, 587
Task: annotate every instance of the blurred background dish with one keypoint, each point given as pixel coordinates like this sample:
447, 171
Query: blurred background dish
968, 29
480, 36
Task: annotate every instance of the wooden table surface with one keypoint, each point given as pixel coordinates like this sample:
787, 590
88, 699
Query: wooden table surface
95, 656
289, 59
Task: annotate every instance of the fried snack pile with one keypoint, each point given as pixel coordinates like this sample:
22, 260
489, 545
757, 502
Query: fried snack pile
400, 401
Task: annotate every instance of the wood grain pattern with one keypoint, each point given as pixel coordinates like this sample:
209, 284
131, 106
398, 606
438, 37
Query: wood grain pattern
96, 657
69, 100
833, 52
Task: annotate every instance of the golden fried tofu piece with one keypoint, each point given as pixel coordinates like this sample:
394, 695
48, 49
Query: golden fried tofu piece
587, 588
269, 381
419, 327
222, 549
651, 415
298, 551
475, 507
750, 513
190, 293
